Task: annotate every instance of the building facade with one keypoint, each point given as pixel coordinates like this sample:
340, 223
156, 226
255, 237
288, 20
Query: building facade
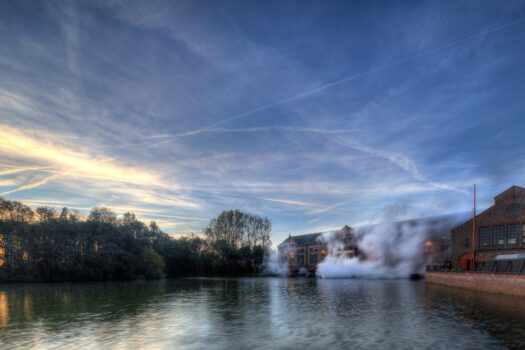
495, 240
302, 253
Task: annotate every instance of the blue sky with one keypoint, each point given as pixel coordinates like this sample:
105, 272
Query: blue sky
315, 114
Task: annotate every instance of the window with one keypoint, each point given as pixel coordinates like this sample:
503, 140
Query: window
312, 255
484, 236
498, 234
300, 256
523, 234
513, 208
512, 234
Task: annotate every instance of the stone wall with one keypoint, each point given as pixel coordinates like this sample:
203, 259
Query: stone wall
485, 282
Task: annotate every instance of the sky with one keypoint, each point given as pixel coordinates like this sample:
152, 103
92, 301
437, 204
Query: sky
315, 114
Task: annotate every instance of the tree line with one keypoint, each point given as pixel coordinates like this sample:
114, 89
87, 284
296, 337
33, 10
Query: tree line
47, 245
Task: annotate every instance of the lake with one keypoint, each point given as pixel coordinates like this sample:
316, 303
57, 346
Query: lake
257, 313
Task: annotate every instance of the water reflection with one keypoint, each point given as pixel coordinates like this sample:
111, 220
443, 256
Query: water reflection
502, 317
257, 313
4, 311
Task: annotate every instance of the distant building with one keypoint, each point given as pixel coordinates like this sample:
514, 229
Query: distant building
498, 239
302, 253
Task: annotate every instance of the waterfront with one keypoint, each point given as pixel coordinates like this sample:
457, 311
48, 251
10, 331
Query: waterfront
258, 313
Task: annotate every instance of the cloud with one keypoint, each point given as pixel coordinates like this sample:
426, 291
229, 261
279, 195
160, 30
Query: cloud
291, 129
92, 170
352, 77
142, 92
55, 203
7, 182
289, 202
67, 161
14, 169
32, 185
401, 161
326, 209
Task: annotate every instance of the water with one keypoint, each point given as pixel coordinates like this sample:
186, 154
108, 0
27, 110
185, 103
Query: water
257, 313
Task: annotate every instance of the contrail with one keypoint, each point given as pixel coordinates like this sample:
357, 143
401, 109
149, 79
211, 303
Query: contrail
15, 170
355, 76
33, 184
401, 161
166, 138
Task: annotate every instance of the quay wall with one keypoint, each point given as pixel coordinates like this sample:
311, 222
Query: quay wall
485, 282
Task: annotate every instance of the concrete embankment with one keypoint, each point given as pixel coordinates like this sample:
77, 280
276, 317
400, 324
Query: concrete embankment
485, 282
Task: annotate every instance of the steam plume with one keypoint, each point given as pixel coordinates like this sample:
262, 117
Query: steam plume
274, 265
387, 250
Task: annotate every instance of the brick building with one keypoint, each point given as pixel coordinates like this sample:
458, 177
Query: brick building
499, 236
302, 253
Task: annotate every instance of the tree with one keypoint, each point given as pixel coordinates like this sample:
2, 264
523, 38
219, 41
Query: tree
238, 241
102, 215
46, 214
47, 246
237, 229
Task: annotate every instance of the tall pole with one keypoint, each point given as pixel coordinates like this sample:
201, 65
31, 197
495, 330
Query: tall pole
473, 231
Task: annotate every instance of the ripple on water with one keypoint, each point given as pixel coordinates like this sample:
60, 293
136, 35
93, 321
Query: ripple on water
257, 313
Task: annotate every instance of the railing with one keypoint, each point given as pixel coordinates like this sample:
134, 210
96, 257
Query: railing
501, 246
510, 267
439, 268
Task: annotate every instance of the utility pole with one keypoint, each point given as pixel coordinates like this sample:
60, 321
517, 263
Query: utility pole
473, 232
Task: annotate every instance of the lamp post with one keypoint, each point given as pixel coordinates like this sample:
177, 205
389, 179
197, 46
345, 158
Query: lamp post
472, 266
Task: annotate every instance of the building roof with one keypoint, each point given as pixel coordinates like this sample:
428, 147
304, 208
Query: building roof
512, 190
436, 225
313, 238
304, 239
492, 211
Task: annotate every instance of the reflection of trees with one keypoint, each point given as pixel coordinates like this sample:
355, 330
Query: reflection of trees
58, 307
4, 310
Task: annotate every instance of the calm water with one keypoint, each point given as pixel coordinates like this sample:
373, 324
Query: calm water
257, 313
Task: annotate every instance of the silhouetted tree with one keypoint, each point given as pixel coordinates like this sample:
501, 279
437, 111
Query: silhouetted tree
47, 246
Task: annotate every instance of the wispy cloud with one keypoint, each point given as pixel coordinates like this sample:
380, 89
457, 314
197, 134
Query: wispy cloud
293, 129
18, 169
67, 160
180, 110
32, 185
318, 211
7, 182
289, 202
401, 161
70, 164
352, 77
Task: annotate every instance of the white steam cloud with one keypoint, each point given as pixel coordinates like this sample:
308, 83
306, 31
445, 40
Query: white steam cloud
387, 250
274, 264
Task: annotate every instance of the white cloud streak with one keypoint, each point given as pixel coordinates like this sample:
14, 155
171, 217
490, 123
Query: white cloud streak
401, 161
358, 75
289, 202
32, 185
